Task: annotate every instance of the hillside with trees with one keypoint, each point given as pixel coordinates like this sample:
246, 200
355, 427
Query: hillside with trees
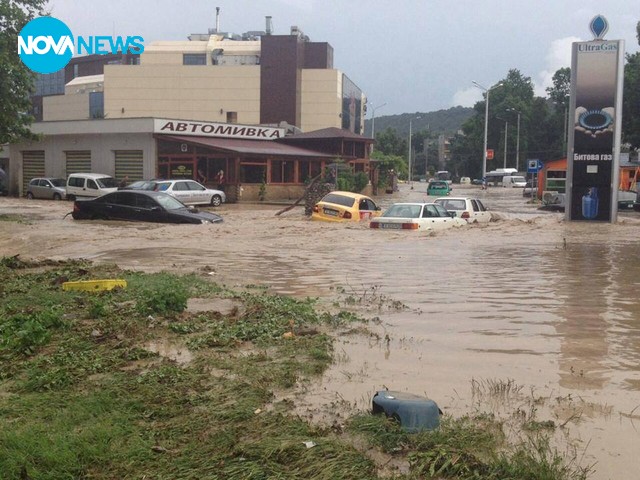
446, 122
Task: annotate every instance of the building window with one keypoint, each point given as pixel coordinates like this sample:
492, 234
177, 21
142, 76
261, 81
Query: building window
194, 59
232, 117
308, 170
96, 105
49, 83
75, 70
282, 171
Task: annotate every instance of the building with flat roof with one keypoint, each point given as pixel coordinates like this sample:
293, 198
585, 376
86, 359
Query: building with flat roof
253, 79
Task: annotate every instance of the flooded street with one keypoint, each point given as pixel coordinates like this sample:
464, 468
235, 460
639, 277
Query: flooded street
549, 305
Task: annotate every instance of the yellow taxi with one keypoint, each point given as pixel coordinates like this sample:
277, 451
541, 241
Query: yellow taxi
345, 207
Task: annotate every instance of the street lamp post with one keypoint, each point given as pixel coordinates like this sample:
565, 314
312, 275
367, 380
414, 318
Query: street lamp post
373, 119
506, 130
517, 138
410, 120
486, 123
410, 153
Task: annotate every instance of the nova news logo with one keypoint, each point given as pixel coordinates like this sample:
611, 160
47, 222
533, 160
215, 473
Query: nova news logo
46, 45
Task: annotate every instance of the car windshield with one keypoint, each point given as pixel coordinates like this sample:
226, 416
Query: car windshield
107, 182
58, 182
438, 185
169, 203
403, 211
452, 204
339, 200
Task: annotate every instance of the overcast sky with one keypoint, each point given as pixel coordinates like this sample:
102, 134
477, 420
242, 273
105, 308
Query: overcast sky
413, 55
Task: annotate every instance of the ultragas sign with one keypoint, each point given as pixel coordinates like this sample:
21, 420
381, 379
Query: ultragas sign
594, 140
46, 45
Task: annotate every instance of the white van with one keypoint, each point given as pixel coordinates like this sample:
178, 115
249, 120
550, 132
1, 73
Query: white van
513, 181
90, 185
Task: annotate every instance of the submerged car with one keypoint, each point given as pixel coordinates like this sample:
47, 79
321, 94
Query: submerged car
438, 188
191, 192
150, 185
345, 207
416, 216
140, 205
470, 209
46, 187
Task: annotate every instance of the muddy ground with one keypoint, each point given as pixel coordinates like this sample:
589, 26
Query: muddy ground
546, 308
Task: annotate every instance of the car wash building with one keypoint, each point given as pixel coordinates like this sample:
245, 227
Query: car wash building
258, 162
218, 101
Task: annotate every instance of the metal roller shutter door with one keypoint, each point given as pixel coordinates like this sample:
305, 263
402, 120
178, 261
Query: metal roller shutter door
32, 167
78, 161
129, 164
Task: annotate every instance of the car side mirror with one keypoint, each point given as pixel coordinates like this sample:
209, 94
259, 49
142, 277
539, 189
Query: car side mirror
452, 214
378, 209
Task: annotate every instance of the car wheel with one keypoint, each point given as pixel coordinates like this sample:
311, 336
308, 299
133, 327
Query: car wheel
216, 200
30, 195
56, 196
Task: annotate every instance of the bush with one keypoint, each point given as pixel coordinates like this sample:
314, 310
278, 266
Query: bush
24, 332
350, 182
165, 295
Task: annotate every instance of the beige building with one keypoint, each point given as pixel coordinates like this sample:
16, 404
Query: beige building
264, 80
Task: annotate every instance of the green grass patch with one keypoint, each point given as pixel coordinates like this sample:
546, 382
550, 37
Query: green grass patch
84, 395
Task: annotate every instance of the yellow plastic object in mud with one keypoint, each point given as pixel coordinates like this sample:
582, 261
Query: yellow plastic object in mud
95, 285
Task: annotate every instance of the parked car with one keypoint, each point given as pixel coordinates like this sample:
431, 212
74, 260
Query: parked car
530, 190
89, 185
416, 216
470, 209
46, 187
438, 188
140, 205
476, 181
191, 192
626, 199
509, 181
345, 207
465, 180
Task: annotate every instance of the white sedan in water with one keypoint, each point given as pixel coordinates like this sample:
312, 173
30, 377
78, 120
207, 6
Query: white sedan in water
416, 216
470, 209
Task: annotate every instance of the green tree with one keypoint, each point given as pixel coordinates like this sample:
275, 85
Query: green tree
386, 163
631, 101
514, 95
560, 92
390, 143
16, 80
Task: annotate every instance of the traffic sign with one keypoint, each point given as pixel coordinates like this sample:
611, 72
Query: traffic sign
489, 154
534, 165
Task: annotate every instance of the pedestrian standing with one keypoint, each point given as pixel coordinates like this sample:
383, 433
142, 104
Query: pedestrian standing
220, 180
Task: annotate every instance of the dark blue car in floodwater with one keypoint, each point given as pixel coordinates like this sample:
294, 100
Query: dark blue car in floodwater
142, 206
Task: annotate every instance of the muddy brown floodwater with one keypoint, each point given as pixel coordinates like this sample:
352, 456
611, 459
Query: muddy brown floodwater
550, 306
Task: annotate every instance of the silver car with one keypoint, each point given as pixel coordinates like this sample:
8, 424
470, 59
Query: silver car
191, 192
50, 188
